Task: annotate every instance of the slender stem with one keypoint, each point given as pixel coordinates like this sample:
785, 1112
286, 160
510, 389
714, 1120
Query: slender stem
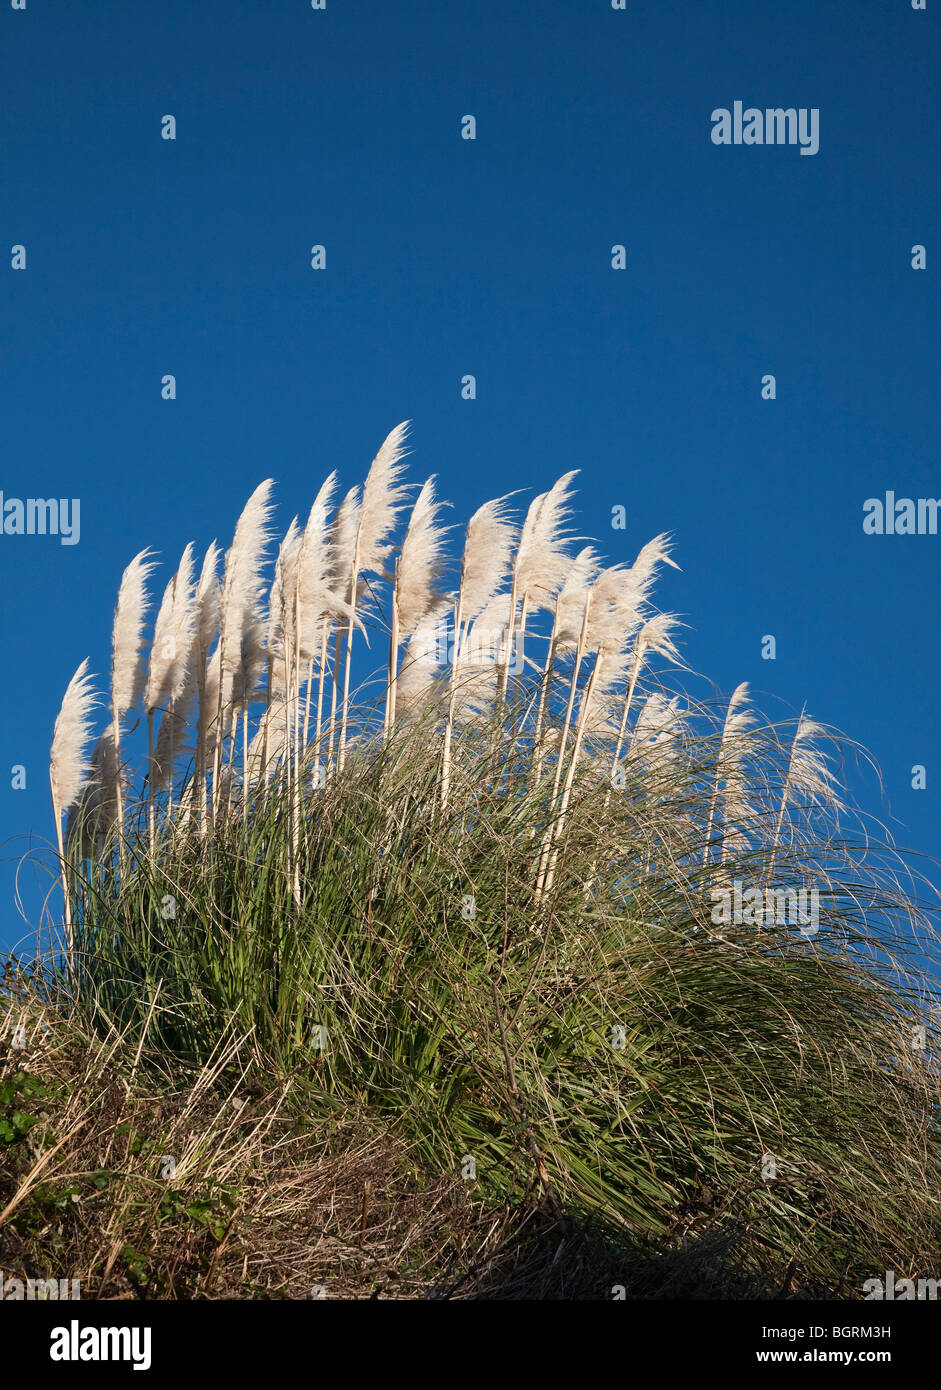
341, 750
712, 802
452, 692
506, 647
777, 828
119, 789
323, 668
307, 698
556, 827
393, 654
333, 699
198, 788
119, 798
217, 748
635, 673
266, 736
169, 715
550, 830
63, 873
545, 685
150, 778
345, 705
297, 684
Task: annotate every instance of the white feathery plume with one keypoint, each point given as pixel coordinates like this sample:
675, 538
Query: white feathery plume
611, 667
184, 620
317, 554
343, 541
421, 675
68, 769
68, 764
208, 599
173, 638
382, 500
207, 608
656, 635
567, 622
549, 855
314, 573
611, 612
281, 641
657, 727
343, 535
246, 679
417, 570
323, 566
601, 631
809, 777
384, 496
737, 806
730, 757
322, 585
211, 698
280, 627
241, 605
598, 595
481, 651
542, 563
127, 670
159, 675
95, 814
643, 572
270, 744
171, 737
738, 720
162, 654
421, 561
570, 603
621, 596
539, 565
127, 667
242, 584
169, 669
605, 628
482, 641
488, 546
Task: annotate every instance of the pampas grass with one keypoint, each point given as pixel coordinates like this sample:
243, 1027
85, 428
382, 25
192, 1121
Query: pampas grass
127, 667
485, 562
414, 596
465, 883
383, 498
208, 604
68, 767
240, 615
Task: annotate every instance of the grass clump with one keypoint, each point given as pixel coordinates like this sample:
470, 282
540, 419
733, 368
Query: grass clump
515, 978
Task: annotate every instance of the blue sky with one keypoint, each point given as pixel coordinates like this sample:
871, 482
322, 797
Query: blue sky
447, 256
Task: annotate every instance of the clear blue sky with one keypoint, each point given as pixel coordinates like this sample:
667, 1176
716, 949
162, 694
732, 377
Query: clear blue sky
491, 257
